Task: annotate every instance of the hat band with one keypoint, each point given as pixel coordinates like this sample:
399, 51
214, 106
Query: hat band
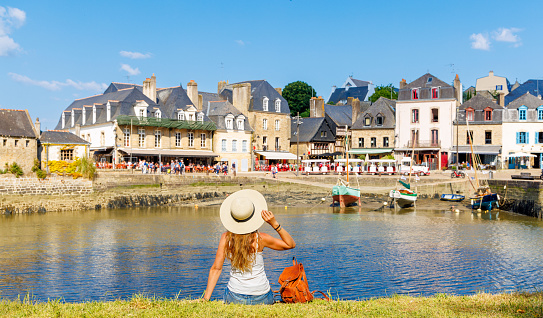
246, 219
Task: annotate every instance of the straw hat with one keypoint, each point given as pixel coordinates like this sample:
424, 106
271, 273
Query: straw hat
241, 212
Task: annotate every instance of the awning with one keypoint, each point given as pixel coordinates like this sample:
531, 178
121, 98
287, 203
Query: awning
481, 150
169, 152
277, 155
103, 151
520, 155
369, 151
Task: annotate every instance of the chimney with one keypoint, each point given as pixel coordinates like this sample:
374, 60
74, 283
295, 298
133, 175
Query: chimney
147, 87
403, 83
37, 126
279, 90
192, 91
501, 99
220, 86
200, 102
458, 89
356, 109
241, 97
316, 107
153, 88
491, 73
350, 100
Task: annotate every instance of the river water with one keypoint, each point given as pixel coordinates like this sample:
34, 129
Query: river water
167, 252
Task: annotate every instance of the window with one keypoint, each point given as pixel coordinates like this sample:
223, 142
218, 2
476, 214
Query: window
229, 123
203, 138
27, 143
178, 139
200, 117
67, 154
244, 145
488, 137
539, 137
435, 115
540, 113
126, 133
499, 87
5, 142
16, 142
430, 79
415, 116
469, 137
470, 114
265, 104
522, 112
435, 92
142, 113
223, 145
488, 114
234, 145
88, 138
522, 137
379, 121
241, 123
157, 114
323, 134
373, 142
277, 144
158, 138
277, 124
385, 141
265, 124
141, 137
360, 142
191, 139
414, 137
265, 140
415, 93
435, 137
278, 105
191, 116
102, 138
181, 115
367, 121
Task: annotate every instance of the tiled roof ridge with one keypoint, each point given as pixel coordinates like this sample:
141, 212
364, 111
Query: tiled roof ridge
13, 110
57, 130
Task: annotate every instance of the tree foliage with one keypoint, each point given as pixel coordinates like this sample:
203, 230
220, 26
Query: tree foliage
297, 95
387, 91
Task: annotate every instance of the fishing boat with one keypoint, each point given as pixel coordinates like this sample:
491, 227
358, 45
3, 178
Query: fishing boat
452, 197
342, 192
485, 202
405, 198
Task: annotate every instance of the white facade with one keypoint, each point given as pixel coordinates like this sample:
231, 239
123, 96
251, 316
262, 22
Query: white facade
234, 147
529, 143
100, 136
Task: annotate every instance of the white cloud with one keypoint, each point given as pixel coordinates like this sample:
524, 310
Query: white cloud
56, 85
135, 55
10, 18
508, 35
240, 42
480, 41
130, 70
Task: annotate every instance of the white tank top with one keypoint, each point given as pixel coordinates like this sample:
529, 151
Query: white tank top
253, 282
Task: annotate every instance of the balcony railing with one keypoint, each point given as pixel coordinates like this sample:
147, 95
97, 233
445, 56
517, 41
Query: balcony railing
424, 144
341, 131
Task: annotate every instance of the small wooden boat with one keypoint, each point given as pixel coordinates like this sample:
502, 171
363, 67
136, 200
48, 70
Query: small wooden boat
485, 202
404, 197
345, 195
452, 197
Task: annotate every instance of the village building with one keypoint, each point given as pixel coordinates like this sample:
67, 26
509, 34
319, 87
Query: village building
313, 138
61, 145
18, 139
425, 111
532, 86
523, 132
130, 122
373, 130
493, 84
353, 88
479, 124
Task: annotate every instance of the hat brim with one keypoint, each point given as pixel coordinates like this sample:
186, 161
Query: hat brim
256, 220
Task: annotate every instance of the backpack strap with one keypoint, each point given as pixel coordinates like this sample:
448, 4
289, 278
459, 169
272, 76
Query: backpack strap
294, 260
318, 291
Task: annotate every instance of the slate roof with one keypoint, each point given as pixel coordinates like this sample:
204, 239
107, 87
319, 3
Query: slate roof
259, 90
359, 83
384, 107
527, 100
479, 103
340, 94
532, 86
310, 129
218, 110
61, 137
446, 91
341, 115
113, 87
16, 123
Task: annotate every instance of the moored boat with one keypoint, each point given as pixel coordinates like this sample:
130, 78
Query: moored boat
345, 195
405, 198
452, 197
485, 202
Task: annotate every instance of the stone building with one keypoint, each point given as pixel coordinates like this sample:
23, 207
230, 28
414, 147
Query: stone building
373, 130
425, 111
494, 84
531, 86
18, 139
484, 117
315, 137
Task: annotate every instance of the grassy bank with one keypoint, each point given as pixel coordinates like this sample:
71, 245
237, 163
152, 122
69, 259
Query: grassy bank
480, 305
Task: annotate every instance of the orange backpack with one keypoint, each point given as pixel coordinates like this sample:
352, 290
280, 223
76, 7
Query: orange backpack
294, 287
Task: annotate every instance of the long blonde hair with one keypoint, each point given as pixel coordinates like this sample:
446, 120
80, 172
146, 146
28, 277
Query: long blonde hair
240, 250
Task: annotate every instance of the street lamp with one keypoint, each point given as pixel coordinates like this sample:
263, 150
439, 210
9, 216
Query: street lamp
298, 123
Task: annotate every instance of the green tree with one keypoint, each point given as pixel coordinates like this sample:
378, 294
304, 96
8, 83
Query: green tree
297, 95
388, 91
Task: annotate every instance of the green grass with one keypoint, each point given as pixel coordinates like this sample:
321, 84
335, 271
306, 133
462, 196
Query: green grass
139, 186
440, 305
218, 184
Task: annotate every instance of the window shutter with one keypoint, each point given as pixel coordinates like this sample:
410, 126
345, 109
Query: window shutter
526, 141
518, 137
536, 137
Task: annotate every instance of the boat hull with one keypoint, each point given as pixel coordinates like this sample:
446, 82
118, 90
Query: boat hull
452, 197
485, 202
405, 199
345, 195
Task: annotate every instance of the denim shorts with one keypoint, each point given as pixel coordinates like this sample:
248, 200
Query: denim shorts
233, 298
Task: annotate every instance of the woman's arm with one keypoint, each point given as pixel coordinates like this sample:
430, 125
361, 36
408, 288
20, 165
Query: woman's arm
285, 243
216, 268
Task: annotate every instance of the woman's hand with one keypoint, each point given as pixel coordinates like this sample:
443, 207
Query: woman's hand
270, 218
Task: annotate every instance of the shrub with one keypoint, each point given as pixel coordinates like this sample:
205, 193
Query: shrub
16, 170
86, 168
41, 174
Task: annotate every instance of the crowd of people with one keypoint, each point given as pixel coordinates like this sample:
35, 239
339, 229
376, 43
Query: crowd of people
177, 167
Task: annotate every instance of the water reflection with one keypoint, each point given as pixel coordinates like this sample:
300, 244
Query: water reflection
354, 253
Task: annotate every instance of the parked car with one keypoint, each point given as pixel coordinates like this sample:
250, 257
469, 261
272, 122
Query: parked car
405, 168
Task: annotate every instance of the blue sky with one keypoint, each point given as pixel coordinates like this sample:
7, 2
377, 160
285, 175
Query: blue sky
52, 52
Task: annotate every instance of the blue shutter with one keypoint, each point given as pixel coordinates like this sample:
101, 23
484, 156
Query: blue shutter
536, 137
518, 137
527, 138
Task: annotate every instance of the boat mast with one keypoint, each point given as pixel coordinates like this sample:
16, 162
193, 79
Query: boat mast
347, 151
412, 155
473, 163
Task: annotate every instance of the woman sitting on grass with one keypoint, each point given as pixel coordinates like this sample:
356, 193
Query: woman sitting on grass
242, 213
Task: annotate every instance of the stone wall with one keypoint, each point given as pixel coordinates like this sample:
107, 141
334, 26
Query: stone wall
256, 120
520, 196
21, 150
367, 134
51, 186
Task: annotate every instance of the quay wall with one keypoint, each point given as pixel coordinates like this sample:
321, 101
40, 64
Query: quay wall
50, 186
520, 196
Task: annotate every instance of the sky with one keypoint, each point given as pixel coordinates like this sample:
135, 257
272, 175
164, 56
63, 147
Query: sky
52, 52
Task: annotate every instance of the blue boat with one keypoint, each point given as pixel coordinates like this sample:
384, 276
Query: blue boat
485, 202
452, 197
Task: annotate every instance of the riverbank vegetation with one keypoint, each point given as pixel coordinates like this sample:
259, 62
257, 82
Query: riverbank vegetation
440, 305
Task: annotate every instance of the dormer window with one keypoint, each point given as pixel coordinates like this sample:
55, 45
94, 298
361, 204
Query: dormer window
415, 93
240, 122
158, 114
191, 116
488, 114
379, 120
435, 92
142, 113
367, 121
229, 121
540, 112
180, 115
200, 117
278, 105
265, 104
522, 112
470, 114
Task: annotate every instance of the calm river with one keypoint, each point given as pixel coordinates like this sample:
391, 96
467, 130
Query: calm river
168, 251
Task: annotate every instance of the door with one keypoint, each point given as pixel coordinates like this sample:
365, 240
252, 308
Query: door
244, 165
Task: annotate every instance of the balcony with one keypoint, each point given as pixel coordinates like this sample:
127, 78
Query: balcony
424, 144
341, 131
